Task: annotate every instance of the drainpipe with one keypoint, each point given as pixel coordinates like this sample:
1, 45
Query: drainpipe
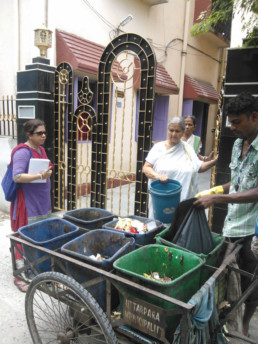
19, 35
46, 13
183, 59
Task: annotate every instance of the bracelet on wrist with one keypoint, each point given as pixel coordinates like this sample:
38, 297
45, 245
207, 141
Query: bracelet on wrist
41, 177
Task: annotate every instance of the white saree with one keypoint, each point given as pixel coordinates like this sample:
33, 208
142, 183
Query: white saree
179, 163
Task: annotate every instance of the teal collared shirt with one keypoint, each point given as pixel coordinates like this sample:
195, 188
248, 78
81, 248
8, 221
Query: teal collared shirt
241, 217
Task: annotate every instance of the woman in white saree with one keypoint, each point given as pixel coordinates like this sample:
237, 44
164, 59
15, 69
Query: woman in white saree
175, 159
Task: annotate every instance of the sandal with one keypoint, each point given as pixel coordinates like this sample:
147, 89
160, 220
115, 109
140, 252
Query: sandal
22, 286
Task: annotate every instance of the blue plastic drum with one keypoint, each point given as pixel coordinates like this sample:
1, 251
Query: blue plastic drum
165, 198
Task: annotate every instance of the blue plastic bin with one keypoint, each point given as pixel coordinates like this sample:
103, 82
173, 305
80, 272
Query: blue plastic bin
89, 218
108, 244
140, 239
51, 234
165, 198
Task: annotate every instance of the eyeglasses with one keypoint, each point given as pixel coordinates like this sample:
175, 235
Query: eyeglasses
40, 133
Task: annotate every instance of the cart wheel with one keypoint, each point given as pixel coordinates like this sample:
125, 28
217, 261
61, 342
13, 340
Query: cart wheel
59, 310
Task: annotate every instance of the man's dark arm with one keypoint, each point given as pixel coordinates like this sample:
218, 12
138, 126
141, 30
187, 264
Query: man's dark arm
226, 187
248, 196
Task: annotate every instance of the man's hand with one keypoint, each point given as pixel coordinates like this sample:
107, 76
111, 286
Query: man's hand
254, 246
205, 201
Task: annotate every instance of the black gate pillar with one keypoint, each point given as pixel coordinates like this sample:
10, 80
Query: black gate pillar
35, 99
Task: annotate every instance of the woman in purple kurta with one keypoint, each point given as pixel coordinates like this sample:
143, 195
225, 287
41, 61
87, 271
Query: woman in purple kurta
36, 195
32, 202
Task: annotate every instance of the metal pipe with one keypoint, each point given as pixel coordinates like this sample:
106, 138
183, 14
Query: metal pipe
191, 46
46, 13
234, 95
109, 275
19, 34
183, 59
240, 83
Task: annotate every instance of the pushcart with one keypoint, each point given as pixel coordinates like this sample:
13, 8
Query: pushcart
60, 310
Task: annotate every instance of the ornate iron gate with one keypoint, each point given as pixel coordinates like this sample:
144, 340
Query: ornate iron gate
79, 154
129, 45
63, 109
72, 142
114, 151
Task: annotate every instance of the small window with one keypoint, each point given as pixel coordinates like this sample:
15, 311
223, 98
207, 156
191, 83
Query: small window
26, 112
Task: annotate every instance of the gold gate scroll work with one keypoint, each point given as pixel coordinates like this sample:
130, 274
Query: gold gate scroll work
122, 149
63, 106
83, 120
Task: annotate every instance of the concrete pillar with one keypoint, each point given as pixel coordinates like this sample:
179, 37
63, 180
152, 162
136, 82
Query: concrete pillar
35, 98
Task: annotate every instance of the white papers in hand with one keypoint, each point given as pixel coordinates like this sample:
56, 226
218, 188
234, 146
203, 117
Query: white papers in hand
37, 166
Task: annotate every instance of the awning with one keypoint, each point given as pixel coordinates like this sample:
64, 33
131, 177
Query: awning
200, 90
84, 56
164, 82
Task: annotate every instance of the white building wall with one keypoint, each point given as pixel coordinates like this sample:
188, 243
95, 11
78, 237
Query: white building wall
8, 44
161, 24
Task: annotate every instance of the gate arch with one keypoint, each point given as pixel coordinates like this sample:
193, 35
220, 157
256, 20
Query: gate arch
100, 134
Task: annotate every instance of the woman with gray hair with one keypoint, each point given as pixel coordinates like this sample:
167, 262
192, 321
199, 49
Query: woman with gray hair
175, 159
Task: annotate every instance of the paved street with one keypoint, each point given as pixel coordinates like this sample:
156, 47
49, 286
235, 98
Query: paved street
13, 327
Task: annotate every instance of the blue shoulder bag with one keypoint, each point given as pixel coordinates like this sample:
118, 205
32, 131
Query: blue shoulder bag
9, 186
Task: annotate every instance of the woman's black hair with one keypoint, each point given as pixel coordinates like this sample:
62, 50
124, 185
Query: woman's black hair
243, 104
193, 118
30, 126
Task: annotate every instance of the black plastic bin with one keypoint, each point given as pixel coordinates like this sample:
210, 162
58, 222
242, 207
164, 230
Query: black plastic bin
140, 239
51, 234
89, 218
108, 244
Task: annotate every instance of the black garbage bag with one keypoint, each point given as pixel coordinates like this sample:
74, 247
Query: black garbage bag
179, 216
190, 229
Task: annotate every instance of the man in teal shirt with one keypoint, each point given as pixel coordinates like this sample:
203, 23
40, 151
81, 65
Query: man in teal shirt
241, 193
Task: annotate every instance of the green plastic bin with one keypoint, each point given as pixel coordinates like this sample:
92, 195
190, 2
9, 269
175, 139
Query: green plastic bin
184, 268
212, 258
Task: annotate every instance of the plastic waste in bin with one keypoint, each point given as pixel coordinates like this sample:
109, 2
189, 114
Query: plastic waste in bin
183, 267
89, 218
153, 226
109, 245
165, 198
51, 234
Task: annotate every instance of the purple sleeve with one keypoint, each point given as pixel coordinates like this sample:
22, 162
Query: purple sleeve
21, 161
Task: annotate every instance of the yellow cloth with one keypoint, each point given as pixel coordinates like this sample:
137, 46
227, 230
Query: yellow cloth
216, 190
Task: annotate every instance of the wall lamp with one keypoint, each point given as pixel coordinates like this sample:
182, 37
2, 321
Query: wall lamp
126, 20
